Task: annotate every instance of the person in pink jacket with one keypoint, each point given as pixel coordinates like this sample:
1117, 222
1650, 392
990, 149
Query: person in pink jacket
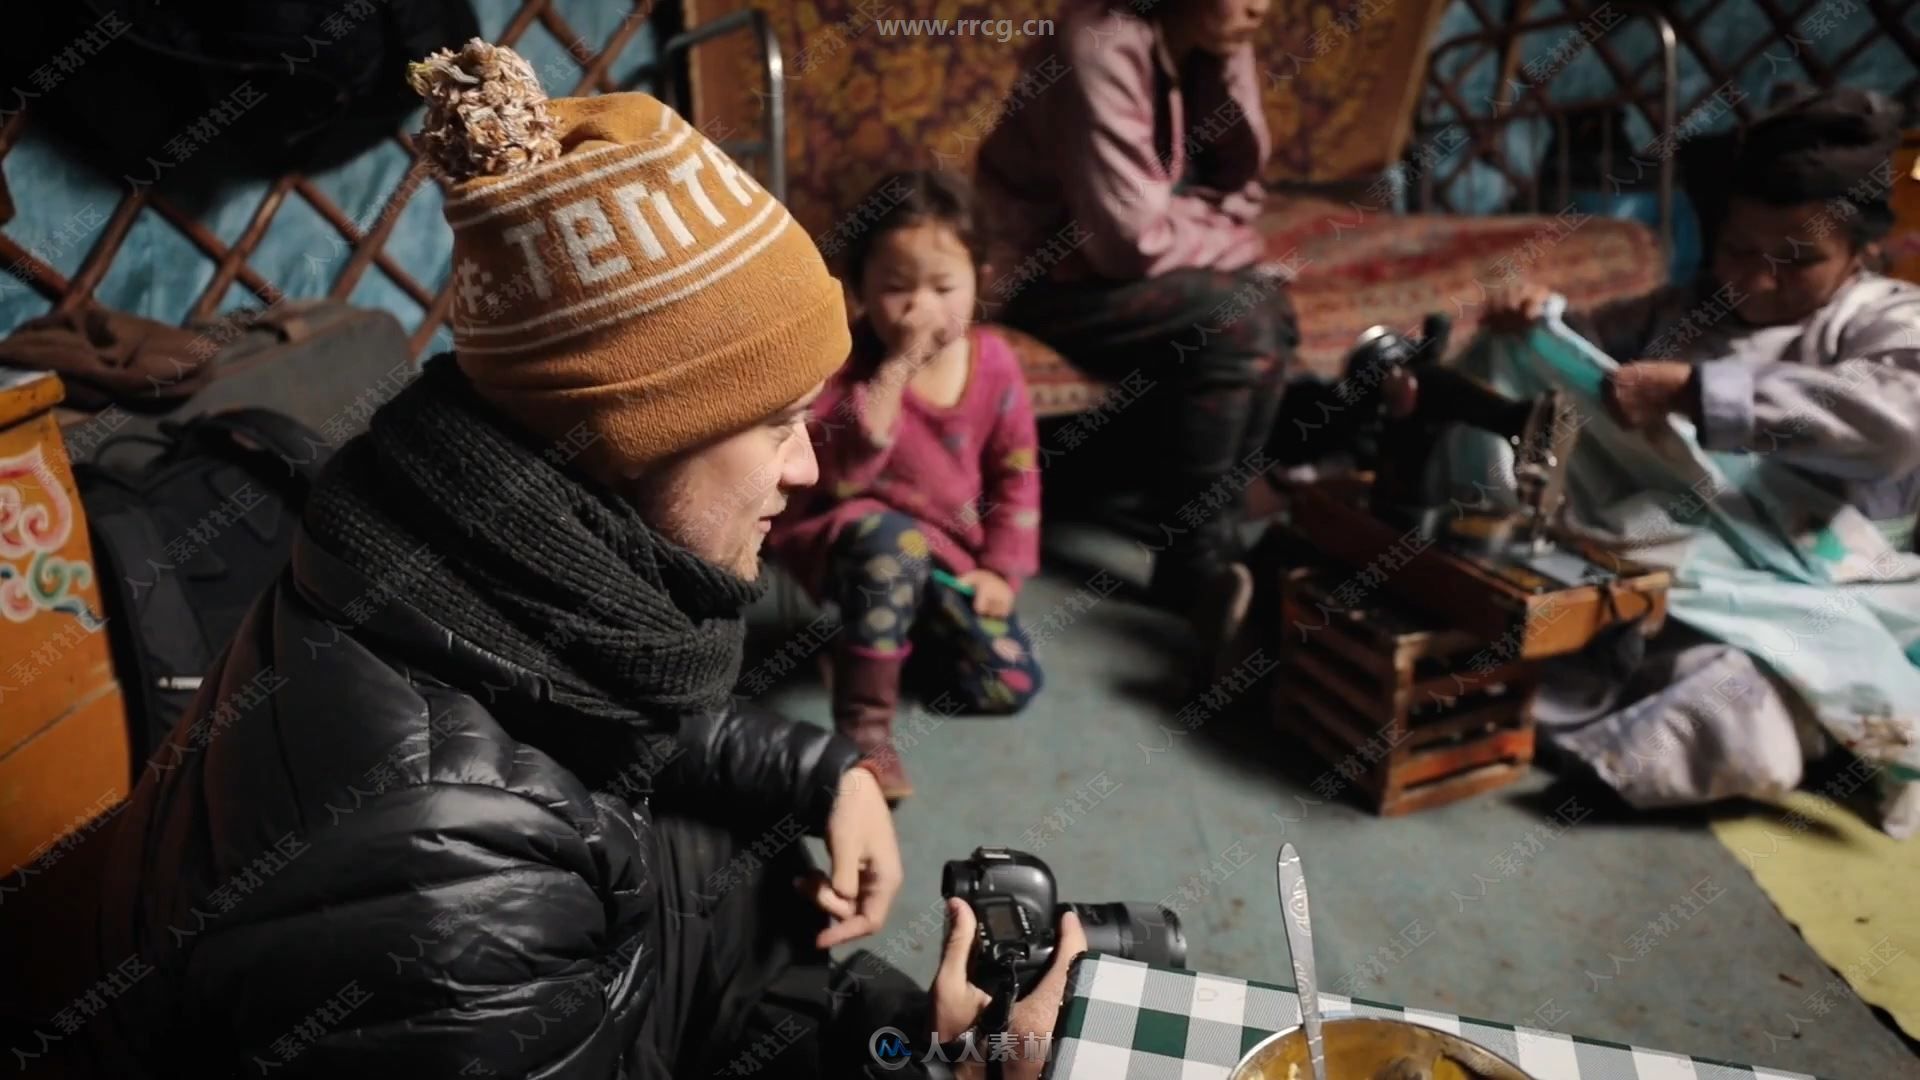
925, 521
1125, 177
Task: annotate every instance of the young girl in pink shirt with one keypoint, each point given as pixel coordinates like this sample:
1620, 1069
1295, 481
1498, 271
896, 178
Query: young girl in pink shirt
926, 519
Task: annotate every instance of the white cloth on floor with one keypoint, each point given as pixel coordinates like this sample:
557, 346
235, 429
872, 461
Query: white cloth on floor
1668, 736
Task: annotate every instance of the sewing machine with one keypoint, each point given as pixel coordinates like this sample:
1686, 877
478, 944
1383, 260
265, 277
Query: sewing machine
1415, 615
1493, 564
1409, 490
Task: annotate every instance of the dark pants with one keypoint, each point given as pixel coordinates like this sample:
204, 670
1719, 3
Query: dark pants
1216, 348
889, 601
742, 990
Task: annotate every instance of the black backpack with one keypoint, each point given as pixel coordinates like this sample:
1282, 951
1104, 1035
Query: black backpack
185, 542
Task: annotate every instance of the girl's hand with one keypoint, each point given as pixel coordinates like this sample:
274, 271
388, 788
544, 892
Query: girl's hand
916, 345
992, 596
913, 336
913, 345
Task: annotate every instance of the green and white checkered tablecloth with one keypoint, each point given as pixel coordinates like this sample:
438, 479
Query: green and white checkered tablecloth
1125, 1020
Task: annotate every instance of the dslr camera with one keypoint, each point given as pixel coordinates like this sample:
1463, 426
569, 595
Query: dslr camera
1016, 906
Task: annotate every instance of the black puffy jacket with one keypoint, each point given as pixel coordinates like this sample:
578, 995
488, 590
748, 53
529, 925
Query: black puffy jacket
391, 863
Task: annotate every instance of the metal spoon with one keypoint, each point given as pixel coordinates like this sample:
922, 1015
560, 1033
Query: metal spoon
1293, 900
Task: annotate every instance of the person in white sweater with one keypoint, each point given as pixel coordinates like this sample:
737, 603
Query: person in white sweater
1789, 345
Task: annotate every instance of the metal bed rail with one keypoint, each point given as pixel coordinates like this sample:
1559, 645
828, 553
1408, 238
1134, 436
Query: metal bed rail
1444, 107
771, 146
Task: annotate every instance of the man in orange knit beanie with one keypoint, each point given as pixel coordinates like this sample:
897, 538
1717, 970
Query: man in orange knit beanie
500, 813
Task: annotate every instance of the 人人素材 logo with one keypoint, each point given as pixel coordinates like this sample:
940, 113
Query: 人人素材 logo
889, 1048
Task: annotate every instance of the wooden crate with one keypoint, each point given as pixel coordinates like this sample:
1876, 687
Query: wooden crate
1412, 715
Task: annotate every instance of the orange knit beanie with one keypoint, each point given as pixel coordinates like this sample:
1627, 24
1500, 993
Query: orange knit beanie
619, 282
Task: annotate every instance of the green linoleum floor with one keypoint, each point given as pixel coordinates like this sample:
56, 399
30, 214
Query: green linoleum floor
1539, 905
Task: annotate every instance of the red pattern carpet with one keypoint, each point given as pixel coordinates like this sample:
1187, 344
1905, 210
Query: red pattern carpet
1357, 269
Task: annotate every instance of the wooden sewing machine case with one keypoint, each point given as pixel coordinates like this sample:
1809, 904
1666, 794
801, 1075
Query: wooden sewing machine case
1409, 666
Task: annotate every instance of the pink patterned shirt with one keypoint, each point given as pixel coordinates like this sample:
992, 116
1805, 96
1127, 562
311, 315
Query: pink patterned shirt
968, 472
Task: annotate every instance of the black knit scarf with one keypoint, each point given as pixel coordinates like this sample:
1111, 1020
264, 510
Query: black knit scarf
536, 563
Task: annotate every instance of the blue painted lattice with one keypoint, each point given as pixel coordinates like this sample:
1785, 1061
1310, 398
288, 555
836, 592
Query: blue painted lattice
368, 231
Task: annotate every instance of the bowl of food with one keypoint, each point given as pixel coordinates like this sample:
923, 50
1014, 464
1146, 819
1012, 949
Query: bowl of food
1374, 1048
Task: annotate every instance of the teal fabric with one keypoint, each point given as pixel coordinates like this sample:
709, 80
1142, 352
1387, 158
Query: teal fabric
1763, 559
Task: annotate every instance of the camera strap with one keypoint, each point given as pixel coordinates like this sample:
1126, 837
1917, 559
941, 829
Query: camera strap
999, 1017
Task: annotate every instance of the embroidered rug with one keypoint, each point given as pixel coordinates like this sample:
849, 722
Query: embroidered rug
1358, 269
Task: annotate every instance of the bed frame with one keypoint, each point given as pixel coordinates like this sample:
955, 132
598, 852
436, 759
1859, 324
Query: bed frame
1649, 86
1545, 186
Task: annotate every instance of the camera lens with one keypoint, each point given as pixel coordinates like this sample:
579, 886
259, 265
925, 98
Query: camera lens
959, 879
1144, 932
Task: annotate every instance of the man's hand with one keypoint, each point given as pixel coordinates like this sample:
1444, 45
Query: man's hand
1513, 310
957, 1003
866, 862
1640, 396
992, 596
